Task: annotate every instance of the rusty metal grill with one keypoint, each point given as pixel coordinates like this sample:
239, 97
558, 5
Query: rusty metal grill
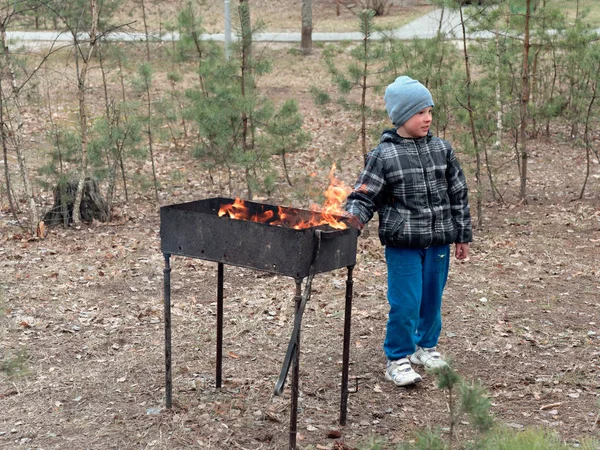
195, 230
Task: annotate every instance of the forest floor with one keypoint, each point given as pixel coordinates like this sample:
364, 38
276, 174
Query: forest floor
82, 331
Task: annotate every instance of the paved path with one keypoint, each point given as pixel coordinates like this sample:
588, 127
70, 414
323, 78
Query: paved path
424, 27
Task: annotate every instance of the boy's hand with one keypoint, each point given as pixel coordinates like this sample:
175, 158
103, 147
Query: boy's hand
462, 250
353, 221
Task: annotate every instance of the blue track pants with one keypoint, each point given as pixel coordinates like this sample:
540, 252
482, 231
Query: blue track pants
416, 281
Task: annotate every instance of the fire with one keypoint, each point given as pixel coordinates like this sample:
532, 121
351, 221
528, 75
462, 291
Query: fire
238, 210
335, 195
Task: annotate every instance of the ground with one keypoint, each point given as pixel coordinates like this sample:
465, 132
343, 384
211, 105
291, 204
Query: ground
82, 331
84, 308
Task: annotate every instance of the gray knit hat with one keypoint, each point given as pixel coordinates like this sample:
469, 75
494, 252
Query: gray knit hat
404, 98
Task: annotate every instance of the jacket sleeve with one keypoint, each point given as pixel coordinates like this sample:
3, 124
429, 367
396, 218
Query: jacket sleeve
459, 198
366, 197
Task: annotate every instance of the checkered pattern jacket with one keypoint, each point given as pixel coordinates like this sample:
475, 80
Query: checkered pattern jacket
419, 190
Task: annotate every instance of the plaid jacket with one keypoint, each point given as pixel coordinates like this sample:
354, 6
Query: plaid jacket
419, 190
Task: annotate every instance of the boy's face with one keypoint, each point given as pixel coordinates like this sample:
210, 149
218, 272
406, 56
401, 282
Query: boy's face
418, 125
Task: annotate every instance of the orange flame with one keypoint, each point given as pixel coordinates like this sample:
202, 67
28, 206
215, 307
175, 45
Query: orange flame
335, 195
238, 210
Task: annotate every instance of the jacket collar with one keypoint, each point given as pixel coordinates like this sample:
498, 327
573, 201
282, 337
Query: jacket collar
391, 135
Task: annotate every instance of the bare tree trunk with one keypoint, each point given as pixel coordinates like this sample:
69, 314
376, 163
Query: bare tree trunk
586, 136
53, 126
534, 83
146, 34
493, 187
81, 81
306, 27
440, 38
472, 124
199, 52
440, 22
149, 105
499, 112
246, 72
34, 217
524, 103
285, 170
81, 94
4, 140
554, 82
150, 138
110, 119
363, 100
246, 78
121, 164
453, 418
499, 116
533, 90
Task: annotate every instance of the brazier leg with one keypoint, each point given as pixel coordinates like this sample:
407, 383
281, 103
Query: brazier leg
167, 306
295, 373
346, 352
219, 369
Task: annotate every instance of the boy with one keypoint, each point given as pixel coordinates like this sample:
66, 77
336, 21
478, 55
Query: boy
413, 180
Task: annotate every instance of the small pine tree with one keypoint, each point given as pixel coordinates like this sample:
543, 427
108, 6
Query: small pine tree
463, 399
284, 134
239, 129
367, 60
115, 139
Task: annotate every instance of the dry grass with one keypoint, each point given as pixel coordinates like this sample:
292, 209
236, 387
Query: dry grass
572, 9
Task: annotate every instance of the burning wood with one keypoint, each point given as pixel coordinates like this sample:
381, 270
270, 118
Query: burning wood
330, 213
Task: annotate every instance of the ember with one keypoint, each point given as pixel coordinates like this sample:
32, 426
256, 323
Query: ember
328, 214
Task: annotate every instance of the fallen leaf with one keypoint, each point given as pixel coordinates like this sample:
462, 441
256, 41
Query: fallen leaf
550, 406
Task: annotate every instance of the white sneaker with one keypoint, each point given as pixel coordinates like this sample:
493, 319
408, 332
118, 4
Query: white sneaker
428, 357
401, 373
